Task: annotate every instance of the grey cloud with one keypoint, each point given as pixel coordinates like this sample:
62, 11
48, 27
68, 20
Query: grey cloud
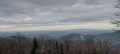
53, 2
82, 20
96, 2
52, 12
27, 6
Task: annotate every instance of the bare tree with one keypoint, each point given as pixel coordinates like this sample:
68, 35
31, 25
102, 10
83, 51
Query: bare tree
103, 47
18, 44
116, 19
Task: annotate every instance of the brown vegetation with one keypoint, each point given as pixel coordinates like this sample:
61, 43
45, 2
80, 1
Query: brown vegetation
19, 44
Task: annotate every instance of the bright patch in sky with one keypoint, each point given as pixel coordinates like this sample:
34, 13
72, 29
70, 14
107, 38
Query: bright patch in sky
4, 27
28, 19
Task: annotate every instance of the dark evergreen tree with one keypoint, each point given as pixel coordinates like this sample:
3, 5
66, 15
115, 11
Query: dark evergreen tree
34, 46
61, 49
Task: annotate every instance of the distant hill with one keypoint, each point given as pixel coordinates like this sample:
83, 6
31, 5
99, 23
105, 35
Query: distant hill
72, 36
113, 37
77, 37
55, 34
89, 31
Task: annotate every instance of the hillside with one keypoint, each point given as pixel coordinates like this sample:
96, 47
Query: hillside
55, 34
114, 37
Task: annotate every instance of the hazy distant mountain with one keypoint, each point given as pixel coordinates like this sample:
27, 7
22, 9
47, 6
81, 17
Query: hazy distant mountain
74, 34
113, 37
89, 31
56, 34
77, 37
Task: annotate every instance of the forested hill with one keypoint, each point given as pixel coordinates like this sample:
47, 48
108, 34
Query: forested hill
113, 37
55, 34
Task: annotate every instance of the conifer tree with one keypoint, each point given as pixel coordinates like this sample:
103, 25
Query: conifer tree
34, 46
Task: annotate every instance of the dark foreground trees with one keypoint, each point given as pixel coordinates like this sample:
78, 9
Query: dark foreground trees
34, 46
19, 44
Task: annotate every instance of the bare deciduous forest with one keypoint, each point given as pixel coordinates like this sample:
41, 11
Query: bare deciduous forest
18, 44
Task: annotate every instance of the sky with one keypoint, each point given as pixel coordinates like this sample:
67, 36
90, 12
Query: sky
27, 15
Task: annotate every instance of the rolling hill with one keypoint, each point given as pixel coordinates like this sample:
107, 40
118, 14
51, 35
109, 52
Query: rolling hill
113, 37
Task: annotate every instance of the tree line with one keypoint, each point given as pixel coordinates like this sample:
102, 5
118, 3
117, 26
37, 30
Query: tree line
43, 44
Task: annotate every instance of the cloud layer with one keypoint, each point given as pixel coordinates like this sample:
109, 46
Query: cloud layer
29, 13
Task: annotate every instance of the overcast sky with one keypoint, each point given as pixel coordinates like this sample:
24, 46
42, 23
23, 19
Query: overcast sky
18, 15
